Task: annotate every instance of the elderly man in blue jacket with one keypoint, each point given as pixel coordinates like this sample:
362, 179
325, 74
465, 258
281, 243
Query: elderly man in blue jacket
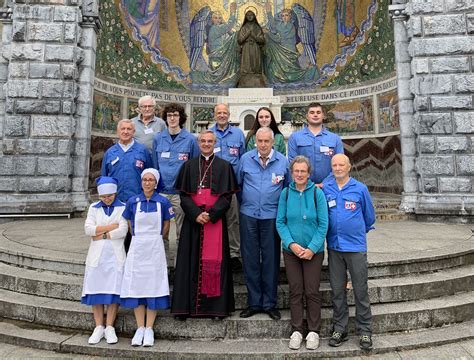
262, 174
351, 217
126, 161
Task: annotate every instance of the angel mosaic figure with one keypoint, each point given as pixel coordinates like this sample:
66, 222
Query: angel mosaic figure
283, 62
208, 30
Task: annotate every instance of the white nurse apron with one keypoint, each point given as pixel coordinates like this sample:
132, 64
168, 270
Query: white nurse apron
146, 271
106, 277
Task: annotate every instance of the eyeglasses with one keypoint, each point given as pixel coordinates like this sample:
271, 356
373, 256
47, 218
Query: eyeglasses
148, 180
147, 106
172, 115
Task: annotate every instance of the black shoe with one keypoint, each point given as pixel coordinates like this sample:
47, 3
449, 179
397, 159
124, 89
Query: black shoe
337, 338
365, 342
248, 312
274, 314
236, 265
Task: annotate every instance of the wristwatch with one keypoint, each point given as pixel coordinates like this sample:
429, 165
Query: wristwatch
104, 236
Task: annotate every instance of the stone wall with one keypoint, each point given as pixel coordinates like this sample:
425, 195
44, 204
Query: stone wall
434, 44
47, 72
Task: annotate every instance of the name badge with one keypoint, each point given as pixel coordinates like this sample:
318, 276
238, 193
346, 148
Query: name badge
276, 179
148, 131
332, 203
165, 154
217, 149
115, 160
324, 149
183, 156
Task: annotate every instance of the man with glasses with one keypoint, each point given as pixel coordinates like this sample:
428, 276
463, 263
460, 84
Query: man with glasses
171, 149
147, 125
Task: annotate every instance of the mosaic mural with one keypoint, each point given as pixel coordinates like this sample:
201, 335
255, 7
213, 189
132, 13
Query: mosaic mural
343, 118
337, 52
106, 113
388, 112
183, 44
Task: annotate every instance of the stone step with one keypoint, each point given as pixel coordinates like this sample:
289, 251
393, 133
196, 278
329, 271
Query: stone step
380, 265
67, 342
390, 317
381, 290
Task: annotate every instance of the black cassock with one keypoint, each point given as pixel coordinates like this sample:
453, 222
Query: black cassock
187, 297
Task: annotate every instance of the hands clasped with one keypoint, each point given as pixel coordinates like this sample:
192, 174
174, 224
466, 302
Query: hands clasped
301, 252
203, 218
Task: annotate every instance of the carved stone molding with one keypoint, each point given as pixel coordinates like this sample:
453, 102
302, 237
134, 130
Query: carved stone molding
90, 14
398, 12
6, 12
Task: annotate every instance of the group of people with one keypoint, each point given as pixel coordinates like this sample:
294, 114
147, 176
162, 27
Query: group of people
234, 197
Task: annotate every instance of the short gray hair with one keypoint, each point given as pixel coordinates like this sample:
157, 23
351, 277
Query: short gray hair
127, 121
265, 129
146, 98
207, 131
300, 159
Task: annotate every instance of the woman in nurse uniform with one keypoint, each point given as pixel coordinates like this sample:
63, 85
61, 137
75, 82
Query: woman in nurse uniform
105, 259
145, 281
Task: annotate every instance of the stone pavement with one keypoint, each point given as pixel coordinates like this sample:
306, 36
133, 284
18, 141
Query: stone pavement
461, 351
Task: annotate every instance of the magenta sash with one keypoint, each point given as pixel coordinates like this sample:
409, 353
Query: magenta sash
211, 256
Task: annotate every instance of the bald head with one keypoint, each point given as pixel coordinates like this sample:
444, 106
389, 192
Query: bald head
341, 157
341, 166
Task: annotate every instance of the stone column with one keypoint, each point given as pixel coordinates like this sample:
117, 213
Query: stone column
48, 51
405, 98
441, 46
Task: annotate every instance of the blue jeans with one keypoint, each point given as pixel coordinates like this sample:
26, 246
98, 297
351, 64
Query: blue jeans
260, 250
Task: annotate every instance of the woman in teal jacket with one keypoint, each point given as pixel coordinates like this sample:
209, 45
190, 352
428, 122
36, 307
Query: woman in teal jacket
302, 222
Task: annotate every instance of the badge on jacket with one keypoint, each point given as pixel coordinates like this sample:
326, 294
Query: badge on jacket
183, 156
350, 205
234, 151
139, 164
276, 179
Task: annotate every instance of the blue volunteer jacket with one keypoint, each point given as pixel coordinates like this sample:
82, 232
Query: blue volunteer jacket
126, 167
351, 215
230, 144
261, 187
318, 149
168, 155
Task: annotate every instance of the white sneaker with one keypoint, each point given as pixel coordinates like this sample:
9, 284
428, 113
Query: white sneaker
312, 341
110, 335
295, 340
149, 338
97, 335
138, 337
